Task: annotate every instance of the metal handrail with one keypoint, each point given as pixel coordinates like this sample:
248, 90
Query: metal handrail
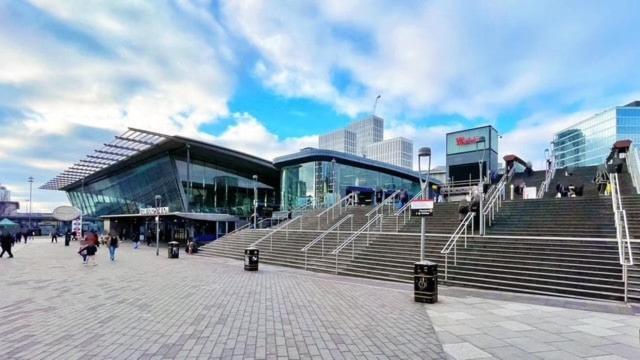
622, 231
303, 208
246, 226
494, 203
453, 240
551, 171
348, 199
352, 239
383, 203
633, 165
324, 234
403, 211
284, 225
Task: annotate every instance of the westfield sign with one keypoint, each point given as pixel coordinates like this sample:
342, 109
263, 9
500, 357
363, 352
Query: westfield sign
468, 140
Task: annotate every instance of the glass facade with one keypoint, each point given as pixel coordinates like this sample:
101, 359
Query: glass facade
214, 190
129, 190
211, 190
589, 142
312, 182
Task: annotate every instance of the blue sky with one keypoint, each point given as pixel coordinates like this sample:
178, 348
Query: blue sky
268, 77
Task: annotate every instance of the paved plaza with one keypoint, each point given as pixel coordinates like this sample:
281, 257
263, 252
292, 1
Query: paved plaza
143, 306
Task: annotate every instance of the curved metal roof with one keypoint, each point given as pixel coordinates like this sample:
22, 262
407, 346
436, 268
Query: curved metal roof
313, 154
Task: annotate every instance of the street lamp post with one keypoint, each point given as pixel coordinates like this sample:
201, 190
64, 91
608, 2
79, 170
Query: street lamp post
546, 159
30, 200
333, 180
422, 153
255, 201
158, 199
482, 140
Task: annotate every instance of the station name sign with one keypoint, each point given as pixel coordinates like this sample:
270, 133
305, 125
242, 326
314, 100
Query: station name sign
422, 207
461, 140
154, 211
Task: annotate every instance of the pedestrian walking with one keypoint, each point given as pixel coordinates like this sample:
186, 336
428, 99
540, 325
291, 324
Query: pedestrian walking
91, 249
54, 237
113, 246
25, 236
5, 243
136, 241
148, 238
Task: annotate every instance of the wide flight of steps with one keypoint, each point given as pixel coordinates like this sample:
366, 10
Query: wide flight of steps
578, 176
577, 268
587, 217
284, 248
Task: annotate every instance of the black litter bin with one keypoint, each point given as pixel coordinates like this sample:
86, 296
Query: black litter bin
251, 259
174, 250
425, 282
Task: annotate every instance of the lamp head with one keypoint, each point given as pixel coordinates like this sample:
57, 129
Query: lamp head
424, 151
255, 177
158, 197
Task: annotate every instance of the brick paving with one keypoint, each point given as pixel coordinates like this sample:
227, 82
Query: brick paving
148, 307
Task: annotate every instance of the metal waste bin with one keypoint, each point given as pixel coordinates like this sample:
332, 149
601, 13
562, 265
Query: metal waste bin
251, 259
174, 250
425, 282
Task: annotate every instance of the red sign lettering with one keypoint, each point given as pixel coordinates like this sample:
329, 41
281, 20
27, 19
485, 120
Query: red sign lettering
467, 141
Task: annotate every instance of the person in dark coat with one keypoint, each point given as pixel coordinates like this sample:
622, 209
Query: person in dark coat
113, 246
5, 243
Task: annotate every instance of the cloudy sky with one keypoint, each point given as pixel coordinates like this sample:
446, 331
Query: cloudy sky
266, 77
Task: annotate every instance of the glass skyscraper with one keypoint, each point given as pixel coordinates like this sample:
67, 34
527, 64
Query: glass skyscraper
589, 141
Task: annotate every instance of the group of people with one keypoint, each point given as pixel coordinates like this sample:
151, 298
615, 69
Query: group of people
90, 244
8, 240
568, 191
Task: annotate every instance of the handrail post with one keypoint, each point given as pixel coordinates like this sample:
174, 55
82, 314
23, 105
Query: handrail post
455, 254
446, 257
473, 225
626, 282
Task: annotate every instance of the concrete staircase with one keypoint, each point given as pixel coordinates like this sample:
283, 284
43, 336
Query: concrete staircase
577, 268
587, 217
578, 176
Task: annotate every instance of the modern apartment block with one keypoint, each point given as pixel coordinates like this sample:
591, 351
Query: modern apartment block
397, 151
368, 131
365, 138
342, 140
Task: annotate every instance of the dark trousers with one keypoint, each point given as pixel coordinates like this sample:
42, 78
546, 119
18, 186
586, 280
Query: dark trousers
54, 238
8, 250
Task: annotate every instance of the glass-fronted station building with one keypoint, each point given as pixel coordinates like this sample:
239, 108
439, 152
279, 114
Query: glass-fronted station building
310, 176
208, 189
589, 141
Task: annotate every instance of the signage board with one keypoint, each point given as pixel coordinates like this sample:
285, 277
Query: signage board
154, 211
461, 140
66, 213
530, 192
421, 207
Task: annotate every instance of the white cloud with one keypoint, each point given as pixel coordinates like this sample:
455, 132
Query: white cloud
471, 58
115, 65
249, 135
